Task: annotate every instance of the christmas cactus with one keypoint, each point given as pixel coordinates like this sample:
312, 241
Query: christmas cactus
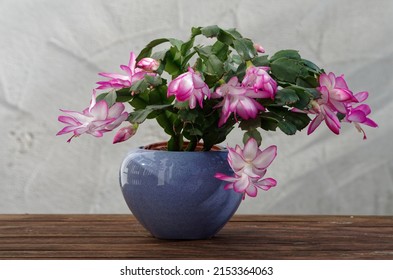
199, 93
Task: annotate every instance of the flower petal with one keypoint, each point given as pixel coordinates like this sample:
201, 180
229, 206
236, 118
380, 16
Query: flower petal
115, 110
356, 116
361, 96
100, 110
224, 177
314, 124
235, 160
331, 120
241, 184
265, 158
252, 191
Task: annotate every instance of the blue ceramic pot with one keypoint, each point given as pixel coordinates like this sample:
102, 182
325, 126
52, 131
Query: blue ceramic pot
174, 195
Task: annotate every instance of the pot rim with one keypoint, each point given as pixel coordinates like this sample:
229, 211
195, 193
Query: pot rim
161, 147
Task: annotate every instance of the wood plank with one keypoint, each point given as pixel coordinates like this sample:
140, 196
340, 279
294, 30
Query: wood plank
244, 237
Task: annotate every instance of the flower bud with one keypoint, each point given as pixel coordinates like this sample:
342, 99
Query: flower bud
148, 64
258, 78
259, 48
190, 87
125, 133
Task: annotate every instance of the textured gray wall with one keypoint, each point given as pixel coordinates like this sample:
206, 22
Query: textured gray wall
51, 51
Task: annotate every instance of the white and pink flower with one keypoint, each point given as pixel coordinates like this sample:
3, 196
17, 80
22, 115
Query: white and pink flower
259, 79
132, 74
325, 112
337, 90
336, 98
259, 48
125, 133
249, 166
189, 87
238, 100
97, 119
148, 64
358, 114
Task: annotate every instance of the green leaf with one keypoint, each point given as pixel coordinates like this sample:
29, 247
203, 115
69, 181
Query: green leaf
124, 98
187, 58
253, 133
139, 86
292, 54
234, 33
186, 47
220, 50
235, 58
140, 116
287, 69
158, 96
250, 124
286, 96
101, 96
287, 127
199, 66
260, 60
166, 121
304, 99
204, 52
340, 116
268, 123
210, 31
173, 62
176, 43
245, 48
154, 81
110, 98
146, 52
300, 120
188, 115
225, 37
121, 95
181, 105
311, 66
313, 92
307, 82
193, 131
215, 135
159, 55
214, 66
195, 31
241, 71
175, 143
140, 101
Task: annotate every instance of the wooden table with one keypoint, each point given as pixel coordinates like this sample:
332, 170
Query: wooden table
244, 237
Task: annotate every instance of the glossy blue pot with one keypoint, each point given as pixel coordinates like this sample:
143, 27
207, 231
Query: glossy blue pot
174, 195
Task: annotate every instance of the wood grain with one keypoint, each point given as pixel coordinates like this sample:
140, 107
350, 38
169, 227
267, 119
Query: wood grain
244, 237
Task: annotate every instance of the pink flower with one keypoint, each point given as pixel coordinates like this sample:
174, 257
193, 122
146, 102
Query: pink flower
258, 79
337, 89
337, 98
118, 81
246, 184
359, 114
148, 64
189, 87
251, 160
95, 120
125, 133
259, 48
238, 100
335, 95
325, 112
249, 165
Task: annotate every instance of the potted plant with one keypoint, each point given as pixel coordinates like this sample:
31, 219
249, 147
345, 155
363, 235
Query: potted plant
189, 187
